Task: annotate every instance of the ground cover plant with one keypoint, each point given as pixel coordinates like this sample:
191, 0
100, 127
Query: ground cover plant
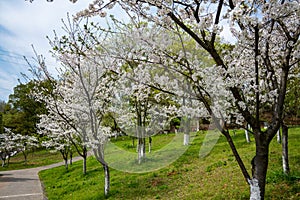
215, 176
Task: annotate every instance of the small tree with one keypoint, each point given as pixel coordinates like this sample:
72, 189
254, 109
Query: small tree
9, 145
83, 90
27, 144
56, 123
56, 135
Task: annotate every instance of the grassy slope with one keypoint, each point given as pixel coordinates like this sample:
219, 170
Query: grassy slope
216, 176
34, 159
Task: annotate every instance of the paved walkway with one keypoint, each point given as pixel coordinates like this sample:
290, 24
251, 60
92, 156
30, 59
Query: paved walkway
24, 184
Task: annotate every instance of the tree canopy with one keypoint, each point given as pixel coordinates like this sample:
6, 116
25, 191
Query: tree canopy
245, 79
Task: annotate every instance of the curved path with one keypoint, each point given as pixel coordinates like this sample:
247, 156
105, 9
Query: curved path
24, 184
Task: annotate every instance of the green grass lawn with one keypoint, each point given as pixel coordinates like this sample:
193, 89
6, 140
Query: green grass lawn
216, 176
34, 159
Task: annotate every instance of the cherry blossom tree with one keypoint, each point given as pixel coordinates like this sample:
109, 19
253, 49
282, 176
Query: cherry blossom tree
12, 143
138, 110
55, 125
58, 135
27, 144
130, 110
78, 110
82, 91
9, 145
130, 44
86, 95
246, 76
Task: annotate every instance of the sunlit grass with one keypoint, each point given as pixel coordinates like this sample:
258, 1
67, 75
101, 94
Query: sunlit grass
216, 176
34, 159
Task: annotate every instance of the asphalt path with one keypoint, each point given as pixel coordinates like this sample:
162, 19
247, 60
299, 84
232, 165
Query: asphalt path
24, 184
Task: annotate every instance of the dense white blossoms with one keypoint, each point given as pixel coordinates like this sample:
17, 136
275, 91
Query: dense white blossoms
249, 76
172, 61
12, 143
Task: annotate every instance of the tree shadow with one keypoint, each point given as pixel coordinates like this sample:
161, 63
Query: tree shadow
7, 178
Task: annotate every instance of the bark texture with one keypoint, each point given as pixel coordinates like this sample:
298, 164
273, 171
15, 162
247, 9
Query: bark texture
100, 157
260, 162
141, 150
84, 165
254, 189
278, 136
247, 133
150, 144
186, 128
106, 179
186, 139
285, 153
247, 136
66, 164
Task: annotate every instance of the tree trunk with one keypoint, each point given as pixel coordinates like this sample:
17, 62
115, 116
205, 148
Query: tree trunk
144, 147
254, 189
71, 158
247, 136
259, 168
106, 179
141, 150
65, 157
25, 156
247, 133
285, 155
186, 136
100, 157
66, 163
8, 159
186, 139
278, 136
197, 124
150, 144
84, 165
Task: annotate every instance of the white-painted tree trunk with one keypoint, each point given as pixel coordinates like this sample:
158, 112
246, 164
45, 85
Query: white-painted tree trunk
285, 165
106, 180
149, 147
8, 159
141, 153
186, 139
247, 136
142, 150
197, 125
285, 153
247, 133
278, 136
254, 189
99, 156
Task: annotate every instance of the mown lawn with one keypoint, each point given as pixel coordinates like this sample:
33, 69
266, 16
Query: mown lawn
34, 159
215, 176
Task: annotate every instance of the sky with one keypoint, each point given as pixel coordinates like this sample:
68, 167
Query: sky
23, 24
